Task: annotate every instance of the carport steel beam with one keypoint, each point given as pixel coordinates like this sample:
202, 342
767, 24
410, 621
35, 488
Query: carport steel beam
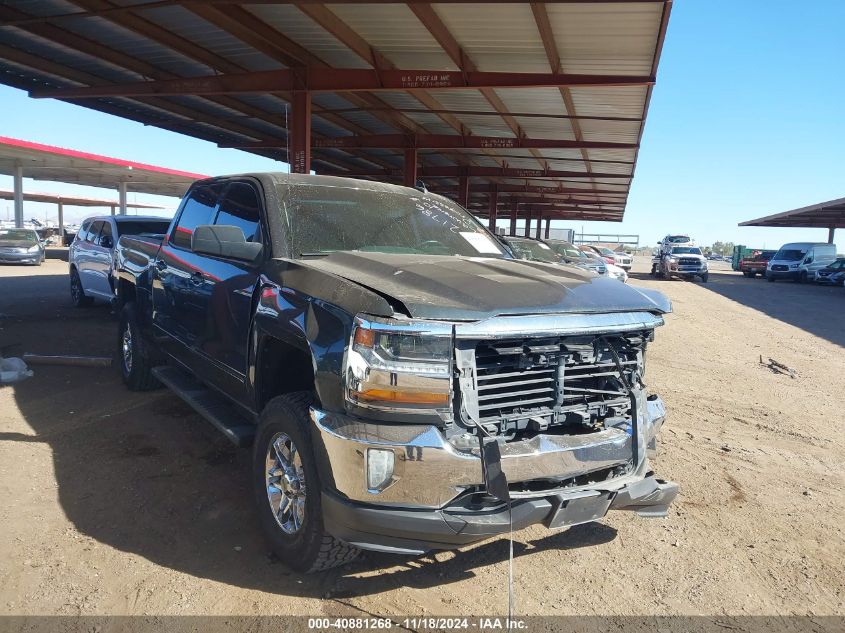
339, 80
476, 171
437, 141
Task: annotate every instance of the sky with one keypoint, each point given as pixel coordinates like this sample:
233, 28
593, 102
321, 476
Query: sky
747, 119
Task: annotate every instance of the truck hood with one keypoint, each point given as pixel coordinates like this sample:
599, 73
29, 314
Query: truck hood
17, 244
475, 288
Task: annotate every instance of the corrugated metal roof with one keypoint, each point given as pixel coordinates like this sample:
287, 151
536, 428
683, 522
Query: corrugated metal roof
107, 42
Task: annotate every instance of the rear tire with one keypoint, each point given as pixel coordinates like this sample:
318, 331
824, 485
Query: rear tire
77, 294
283, 445
135, 359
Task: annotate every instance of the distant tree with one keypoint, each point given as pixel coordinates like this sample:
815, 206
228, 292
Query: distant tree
722, 248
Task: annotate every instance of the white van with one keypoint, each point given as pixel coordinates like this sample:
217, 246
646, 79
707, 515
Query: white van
799, 261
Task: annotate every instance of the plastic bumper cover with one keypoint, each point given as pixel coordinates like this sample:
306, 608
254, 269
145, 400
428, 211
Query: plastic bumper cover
417, 531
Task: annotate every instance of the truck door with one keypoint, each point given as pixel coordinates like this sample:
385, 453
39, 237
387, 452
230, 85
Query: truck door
182, 285
101, 261
86, 259
223, 336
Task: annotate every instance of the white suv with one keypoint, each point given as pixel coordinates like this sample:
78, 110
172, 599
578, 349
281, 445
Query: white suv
92, 253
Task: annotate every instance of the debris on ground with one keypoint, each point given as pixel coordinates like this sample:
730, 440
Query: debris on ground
13, 370
779, 368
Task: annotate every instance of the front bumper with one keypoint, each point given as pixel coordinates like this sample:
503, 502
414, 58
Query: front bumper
436, 499
20, 258
782, 274
416, 531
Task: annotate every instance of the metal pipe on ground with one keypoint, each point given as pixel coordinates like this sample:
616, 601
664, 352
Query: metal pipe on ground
70, 361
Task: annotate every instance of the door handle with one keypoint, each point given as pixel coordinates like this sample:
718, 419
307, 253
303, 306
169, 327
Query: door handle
196, 277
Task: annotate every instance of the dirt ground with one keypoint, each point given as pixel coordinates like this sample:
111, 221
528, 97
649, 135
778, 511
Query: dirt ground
122, 503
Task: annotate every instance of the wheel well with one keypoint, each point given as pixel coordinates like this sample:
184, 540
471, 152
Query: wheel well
125, 292
281, 368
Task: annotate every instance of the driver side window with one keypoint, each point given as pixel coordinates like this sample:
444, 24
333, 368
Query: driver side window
197, 209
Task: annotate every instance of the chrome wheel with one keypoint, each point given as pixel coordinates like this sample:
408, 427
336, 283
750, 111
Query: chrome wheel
126, 348
285, 479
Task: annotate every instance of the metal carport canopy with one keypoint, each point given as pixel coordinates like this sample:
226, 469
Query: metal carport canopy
469, 96
46, 162
826, 215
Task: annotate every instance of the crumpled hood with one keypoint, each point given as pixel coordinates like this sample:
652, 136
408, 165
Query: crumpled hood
474, 288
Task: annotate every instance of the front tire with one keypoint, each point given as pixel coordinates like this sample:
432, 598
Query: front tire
802, 278
77, 293
135, 360
705, 277
288, 490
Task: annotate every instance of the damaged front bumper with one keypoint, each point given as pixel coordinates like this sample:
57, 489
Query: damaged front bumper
436, 497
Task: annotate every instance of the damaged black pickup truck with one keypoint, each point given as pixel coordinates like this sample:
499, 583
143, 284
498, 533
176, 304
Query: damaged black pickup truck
406, 384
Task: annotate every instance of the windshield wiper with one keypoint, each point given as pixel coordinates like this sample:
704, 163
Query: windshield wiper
317, 254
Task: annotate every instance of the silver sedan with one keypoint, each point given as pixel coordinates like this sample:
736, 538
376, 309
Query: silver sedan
21, 246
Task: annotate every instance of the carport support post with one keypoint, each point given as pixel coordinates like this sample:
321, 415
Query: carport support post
410, 175
528, 216
548, 227
513, 221
494, 207
463, 191
121, 190
300, 133
539, 225
18, 191
61, 222
830, 233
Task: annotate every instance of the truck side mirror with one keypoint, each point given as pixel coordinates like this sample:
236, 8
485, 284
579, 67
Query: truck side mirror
106, 242
221, 240
809, 260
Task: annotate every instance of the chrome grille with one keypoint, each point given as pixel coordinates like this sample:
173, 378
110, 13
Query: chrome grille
689, 261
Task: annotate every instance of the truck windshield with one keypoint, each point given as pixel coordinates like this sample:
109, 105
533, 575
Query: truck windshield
566, 249
18, 235
789, 254
686, 250
530, 249
324, 220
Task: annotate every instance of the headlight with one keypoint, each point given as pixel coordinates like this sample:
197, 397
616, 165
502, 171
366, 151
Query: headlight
793, 265
32, 249
400, 367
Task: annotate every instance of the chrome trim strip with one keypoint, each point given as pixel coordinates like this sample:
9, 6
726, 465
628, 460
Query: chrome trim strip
557, 325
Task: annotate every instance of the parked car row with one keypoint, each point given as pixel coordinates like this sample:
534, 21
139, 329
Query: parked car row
560, 252
801, 262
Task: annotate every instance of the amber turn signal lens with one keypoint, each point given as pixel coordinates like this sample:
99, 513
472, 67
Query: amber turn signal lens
365, 337
406, 397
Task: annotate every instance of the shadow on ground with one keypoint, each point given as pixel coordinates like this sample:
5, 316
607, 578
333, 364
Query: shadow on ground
143, 474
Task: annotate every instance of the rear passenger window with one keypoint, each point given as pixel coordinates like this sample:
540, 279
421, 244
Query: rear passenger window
198, 209
94, 232
240, 208
105, 232
83, 231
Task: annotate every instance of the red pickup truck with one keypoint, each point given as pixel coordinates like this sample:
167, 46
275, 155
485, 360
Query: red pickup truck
756, 264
